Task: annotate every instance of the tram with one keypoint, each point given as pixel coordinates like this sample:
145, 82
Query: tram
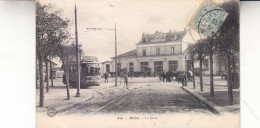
89, 72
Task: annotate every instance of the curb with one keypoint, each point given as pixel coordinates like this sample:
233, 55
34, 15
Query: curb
67, 107
212, 106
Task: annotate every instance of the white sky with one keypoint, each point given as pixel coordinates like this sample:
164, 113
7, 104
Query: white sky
133, 17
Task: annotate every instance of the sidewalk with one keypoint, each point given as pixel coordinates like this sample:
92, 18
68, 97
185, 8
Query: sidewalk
57, 95
220, 100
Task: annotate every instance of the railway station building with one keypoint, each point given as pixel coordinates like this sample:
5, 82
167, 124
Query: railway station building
159, 52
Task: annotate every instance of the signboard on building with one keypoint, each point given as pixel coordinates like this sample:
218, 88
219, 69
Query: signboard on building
90, 59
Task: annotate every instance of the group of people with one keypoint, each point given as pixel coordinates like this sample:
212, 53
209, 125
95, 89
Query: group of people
124, 75
180, 76
167, 77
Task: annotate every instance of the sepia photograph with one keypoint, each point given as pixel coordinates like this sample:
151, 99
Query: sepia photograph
137, 63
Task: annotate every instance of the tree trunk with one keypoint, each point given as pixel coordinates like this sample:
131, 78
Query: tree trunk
41, 104
230, 95
219, 65
67, 82
193, 75
47, 76
37, 74
51, 74
235, 79
201, 80
211, 75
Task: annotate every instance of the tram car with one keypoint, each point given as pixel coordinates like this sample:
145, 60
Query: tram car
89, 72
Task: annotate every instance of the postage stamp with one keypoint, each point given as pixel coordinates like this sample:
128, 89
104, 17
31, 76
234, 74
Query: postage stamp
208, 18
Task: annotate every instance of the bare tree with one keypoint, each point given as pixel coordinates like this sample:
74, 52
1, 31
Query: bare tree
200, 48
191, 50
210, 45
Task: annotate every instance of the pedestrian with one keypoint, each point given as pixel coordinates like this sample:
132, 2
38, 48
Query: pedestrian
183, 79
106, 78
168, 77
178, 77
164, 76
190, 76
126, 80
160, 76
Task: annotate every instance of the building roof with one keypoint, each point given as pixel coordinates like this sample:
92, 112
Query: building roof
131, 53
161, 37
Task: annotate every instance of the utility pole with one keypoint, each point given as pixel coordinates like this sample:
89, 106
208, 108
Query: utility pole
115, 57
114, 29
77, 55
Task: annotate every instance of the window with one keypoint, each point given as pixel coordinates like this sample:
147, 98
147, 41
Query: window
158, 66
94, 71
107, 68
144, 52
173, 65
172, 50
157, 51
144, 65
131, 67
118, 67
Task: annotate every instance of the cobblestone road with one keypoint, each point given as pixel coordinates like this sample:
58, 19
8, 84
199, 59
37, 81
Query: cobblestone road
155, 97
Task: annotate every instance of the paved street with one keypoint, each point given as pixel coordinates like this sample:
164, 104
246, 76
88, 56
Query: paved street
155, 97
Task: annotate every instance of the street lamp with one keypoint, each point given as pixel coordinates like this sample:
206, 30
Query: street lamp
99, 29
185, 82
77, 55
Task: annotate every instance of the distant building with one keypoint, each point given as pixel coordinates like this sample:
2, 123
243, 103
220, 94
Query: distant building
160, 52
106, 67
50, 63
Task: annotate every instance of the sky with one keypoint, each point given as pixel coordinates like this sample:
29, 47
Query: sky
132, 18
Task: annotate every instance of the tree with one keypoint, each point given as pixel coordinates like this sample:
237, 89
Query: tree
51, 31
210, 45
191, 53
200, 49
228, 42
65, 52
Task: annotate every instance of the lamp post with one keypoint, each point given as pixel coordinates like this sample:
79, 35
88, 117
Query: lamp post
114, 29
77, 54
185, 82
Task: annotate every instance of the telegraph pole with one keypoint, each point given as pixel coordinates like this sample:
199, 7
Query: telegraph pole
115, 57
114, 29
77, 55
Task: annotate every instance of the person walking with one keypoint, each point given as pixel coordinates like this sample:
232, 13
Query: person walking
126, 80
106, 78
168, 77
164, 76
183, 79
160, 76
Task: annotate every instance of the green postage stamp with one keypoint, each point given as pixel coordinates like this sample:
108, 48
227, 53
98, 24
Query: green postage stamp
208, 18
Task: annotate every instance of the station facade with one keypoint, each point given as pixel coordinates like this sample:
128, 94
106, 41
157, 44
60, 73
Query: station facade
160, 52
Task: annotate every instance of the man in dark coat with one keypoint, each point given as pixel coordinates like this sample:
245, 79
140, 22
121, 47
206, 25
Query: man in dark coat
106, 78
164, 76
